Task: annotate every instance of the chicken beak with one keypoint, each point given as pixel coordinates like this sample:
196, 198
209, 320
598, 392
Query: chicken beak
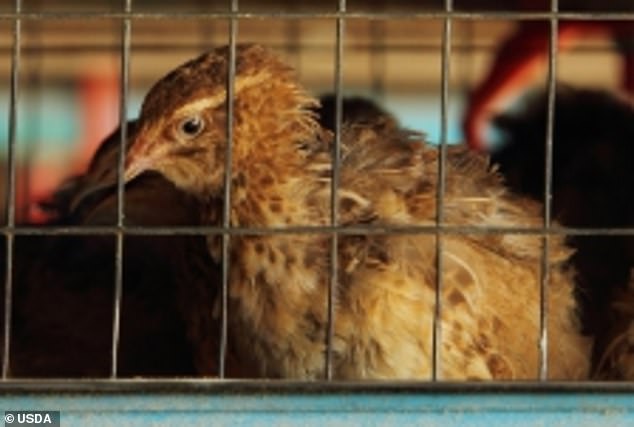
136, 163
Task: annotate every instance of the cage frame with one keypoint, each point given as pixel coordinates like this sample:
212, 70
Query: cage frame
11, 386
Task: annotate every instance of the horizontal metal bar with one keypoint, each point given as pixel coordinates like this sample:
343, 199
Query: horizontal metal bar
493, 15
355, 230
457, 46
215, 385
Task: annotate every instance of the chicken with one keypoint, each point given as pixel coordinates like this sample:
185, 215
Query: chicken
614, 350
519, 58
64, 285
385, 287
592, 182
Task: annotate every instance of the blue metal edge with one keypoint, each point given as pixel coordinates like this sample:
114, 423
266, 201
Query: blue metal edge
142, 402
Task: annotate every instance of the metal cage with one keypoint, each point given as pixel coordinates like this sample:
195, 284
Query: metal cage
219, 400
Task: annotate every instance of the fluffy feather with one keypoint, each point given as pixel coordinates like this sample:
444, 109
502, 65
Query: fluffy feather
385, 290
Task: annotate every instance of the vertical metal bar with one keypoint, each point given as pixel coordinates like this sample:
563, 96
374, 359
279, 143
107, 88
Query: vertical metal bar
334, 205
548, 174
11, 183
440, 192
226, 217
123, 117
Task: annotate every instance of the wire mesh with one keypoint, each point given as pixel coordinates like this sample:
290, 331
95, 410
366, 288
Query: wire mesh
448, 16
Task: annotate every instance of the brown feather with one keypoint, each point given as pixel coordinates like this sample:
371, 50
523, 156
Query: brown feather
386, 284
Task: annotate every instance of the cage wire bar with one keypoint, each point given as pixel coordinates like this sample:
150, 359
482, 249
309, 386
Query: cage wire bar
9, 232
547, 209
429, 14
134, 230
440, 190
123, 133
334, 188
226, 206
120, 230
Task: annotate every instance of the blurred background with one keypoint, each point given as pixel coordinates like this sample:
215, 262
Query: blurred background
69, 76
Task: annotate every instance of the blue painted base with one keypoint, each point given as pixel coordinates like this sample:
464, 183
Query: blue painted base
208, 402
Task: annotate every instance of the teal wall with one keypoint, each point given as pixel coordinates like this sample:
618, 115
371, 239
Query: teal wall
51, 121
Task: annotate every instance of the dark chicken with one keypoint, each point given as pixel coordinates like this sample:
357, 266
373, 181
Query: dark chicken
592, 186
64, 285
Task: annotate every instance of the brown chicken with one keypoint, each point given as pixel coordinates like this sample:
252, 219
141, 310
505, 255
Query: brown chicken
385, 289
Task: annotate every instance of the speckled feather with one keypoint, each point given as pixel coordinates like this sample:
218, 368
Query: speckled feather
386, 285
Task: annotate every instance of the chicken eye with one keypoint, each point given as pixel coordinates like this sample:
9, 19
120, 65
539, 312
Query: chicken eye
191, 126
